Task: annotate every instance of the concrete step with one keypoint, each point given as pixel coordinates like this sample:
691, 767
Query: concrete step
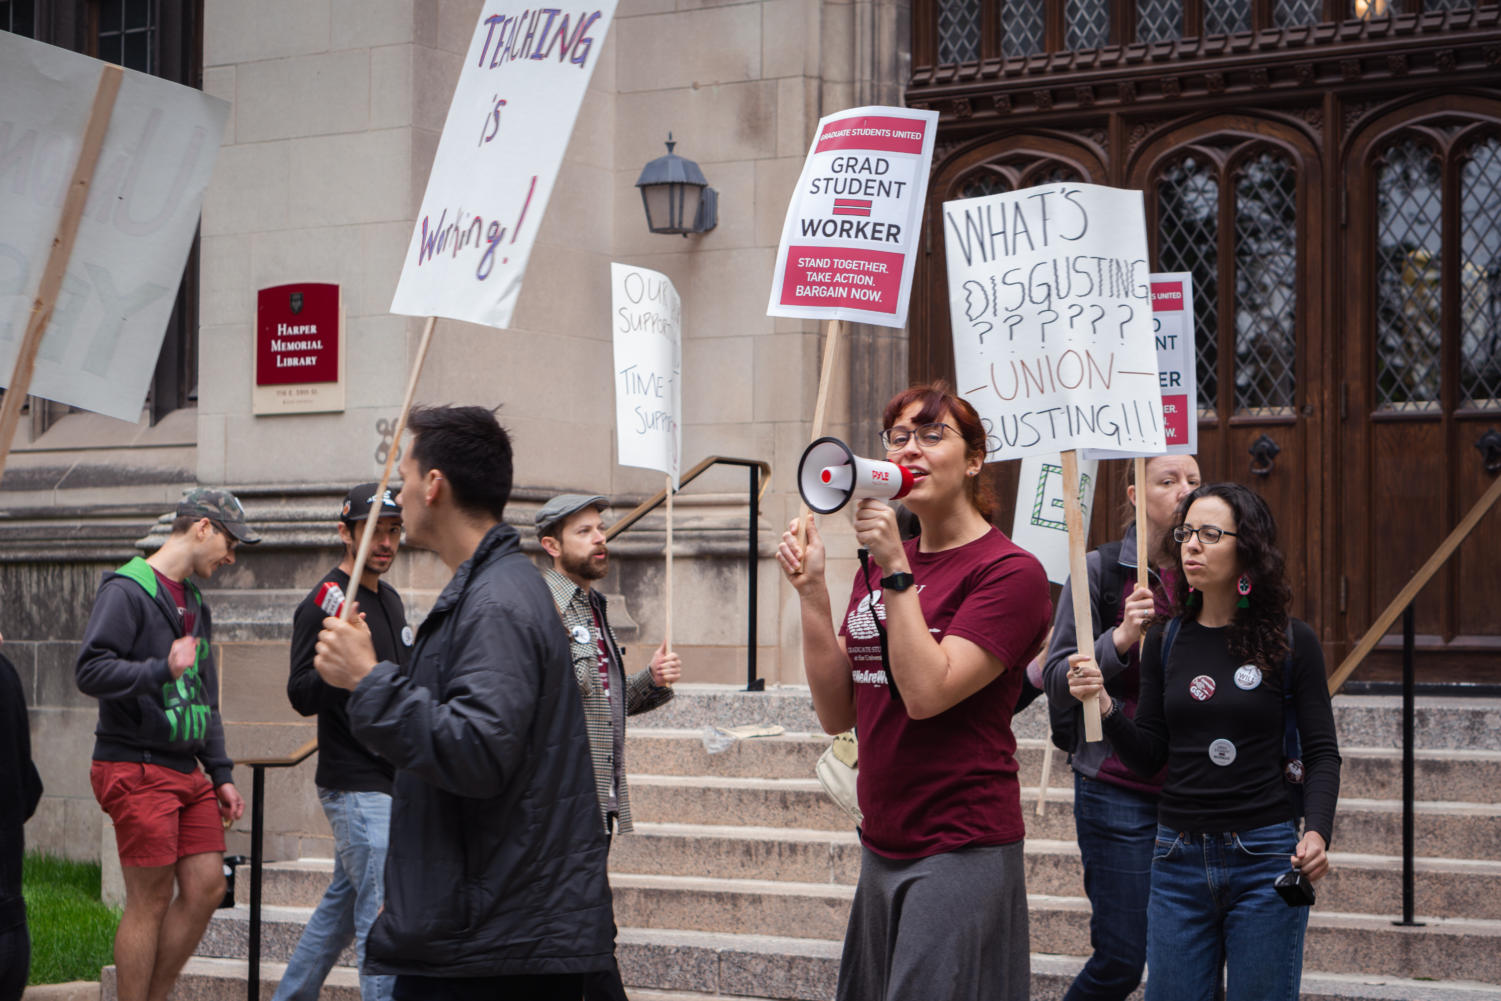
1368, 772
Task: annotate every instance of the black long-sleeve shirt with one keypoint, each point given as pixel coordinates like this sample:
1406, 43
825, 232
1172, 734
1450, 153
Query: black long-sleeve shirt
20, 791
343, 762
1178, 723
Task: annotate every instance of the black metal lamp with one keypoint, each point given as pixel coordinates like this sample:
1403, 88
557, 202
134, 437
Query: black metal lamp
677, 197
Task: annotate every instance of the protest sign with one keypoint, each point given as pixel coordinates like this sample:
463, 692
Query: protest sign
1177, 372
1048, 302
648, 326
119, 282
851, 233
1040, 525
523, 79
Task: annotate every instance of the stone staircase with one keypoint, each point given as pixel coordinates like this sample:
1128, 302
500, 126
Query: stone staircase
738, 879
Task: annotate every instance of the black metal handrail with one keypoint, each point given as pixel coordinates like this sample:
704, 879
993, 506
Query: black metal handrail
760, 479
258, 768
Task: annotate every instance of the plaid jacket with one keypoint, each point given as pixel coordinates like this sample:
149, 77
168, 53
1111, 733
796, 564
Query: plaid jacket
641, 695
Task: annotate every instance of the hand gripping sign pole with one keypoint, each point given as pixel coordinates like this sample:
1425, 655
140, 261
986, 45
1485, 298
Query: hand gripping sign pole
57, 260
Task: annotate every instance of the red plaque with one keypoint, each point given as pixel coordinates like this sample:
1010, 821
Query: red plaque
297, 334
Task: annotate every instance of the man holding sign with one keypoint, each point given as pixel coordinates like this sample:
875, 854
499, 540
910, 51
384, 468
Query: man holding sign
571, 530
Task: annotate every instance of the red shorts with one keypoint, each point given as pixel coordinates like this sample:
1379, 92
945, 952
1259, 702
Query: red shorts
160, 814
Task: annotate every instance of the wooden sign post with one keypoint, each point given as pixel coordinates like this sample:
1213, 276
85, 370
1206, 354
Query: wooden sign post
1078, 572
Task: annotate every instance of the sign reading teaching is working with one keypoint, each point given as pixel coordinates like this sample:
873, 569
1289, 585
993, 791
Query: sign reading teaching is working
1052, 324
648, 334
849, 241
100, 348
523, 79
1177, 374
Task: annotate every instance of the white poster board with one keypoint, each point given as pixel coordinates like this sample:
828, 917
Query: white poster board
100, 349
850, 238
1177, 370
523, 80
1039, 526
1052, 327
647, 320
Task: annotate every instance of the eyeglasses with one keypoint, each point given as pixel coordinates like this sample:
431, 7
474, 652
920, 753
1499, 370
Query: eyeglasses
228, 538
928, 435
1208, 534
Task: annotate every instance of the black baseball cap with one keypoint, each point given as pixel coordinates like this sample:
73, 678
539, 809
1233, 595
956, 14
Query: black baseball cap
358, 501
220, 506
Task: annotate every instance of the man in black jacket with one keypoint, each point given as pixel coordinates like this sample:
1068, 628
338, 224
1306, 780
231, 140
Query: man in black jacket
354, 785
148, 658
20, 791
495, 875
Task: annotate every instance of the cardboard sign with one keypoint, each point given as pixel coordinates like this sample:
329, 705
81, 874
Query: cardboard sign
524, 77
299, 350
1177, 370
850, 237
648, 331
101, 347
1039, 525
1052, 326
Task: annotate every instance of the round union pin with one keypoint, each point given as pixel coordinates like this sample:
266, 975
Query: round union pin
1201, 688
1247, 677
406, 635
1221, 751
581, 634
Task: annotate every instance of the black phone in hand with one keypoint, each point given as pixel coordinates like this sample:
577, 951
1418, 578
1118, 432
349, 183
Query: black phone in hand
1295, 889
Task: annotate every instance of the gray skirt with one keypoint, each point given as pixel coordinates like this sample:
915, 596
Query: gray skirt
949, 927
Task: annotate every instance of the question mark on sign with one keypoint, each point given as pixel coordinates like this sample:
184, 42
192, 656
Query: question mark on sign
1094, 325
1011, 324
1130, 315
1074, 312
988, 328
1043, 332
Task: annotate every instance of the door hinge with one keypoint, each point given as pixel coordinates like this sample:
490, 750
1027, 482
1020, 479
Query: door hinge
1344, 592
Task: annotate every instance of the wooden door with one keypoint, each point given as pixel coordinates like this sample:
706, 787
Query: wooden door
1420, 381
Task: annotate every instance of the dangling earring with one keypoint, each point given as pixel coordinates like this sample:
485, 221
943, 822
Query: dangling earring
1192, 599
1243, 588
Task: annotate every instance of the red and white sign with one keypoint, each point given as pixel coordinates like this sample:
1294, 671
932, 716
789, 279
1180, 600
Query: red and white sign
299, 349
1177, 371
848, 244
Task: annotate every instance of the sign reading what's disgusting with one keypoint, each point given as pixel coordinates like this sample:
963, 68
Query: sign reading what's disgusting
1050, 308
850, 238
299, 349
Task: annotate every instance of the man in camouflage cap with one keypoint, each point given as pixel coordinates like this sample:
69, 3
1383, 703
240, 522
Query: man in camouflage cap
148, 658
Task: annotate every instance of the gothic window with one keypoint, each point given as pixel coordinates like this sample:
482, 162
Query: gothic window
1226, 17
1409, 269
1266, 269
1295, 13
1188, 198
958, 31
1087, 25
1022, 28
1159, 20
1480, 276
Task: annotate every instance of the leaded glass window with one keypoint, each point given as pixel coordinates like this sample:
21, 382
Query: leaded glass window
1159, 20
1448, 4
1294, 13
1226, 17
127, 33
981, 183
958, 31
1480, 276
1188, 198
1409, 269
1022, 28
1088, 25
1266, 271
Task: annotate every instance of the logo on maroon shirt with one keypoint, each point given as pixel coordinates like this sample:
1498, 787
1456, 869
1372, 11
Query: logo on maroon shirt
861, 625
1201, 688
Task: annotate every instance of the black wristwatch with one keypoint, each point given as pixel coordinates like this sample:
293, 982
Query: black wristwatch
897, 581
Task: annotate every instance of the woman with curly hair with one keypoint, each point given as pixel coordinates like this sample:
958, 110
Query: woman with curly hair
1214, 714
940, 910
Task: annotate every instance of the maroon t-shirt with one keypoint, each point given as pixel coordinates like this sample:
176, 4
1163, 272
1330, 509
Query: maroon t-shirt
179, 593
935, 785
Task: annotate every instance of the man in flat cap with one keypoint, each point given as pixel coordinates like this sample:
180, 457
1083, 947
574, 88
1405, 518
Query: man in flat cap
570, 528
354, 783
148, 658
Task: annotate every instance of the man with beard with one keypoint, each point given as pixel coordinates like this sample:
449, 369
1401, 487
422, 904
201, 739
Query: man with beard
354, 784
571, 530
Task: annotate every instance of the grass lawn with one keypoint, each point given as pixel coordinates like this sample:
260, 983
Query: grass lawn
72, 932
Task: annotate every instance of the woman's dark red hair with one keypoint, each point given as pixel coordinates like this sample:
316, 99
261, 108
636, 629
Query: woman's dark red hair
937, 400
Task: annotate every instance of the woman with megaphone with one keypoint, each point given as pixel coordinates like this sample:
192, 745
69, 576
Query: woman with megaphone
926, 664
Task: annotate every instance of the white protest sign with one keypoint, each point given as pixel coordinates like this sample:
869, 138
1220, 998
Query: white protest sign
851, 234
1039, 526
1177, 372
523, 79
648, 326
100, 349
1051, 320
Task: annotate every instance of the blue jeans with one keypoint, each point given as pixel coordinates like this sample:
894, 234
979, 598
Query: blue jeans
361, 822
1116, 827
1212, 902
